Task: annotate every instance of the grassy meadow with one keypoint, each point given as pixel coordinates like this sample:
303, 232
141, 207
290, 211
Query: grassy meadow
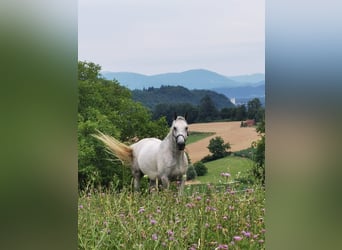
210, 217
236, 166
196, 136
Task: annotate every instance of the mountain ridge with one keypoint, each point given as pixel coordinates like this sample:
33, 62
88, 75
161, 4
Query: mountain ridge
191, 79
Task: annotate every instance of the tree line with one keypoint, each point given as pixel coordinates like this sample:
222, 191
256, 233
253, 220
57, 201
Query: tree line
206, 111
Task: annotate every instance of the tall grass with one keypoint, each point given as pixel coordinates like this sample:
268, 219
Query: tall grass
207, 219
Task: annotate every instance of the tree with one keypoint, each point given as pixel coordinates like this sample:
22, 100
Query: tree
254, 110
240, 113
207, 109
259, 156
218, 148
88, 71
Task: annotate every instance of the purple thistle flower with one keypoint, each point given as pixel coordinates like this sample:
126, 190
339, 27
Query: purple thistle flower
190, 205
198, 198
219, 226
170, 233
141, 210
193, 247
237, 238
247, 234
153, 222
225, 175
225, 217
154, 237
80, 206
222, 246
206, 225
261, 241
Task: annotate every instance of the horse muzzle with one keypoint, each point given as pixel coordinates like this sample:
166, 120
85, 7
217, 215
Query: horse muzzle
180, 141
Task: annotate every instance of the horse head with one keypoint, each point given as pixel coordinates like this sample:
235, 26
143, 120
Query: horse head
180, 130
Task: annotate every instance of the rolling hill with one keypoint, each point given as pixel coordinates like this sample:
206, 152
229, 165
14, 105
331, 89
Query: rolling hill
178, 94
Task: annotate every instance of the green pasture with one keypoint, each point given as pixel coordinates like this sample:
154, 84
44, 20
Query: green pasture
235, 166
197, 136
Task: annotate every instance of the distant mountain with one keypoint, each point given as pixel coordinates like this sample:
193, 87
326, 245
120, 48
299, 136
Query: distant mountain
191, 79
244, 91
151, 97
252, 79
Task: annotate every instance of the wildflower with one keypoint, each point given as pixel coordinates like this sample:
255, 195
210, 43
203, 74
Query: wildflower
190, 205
170, 233
231, 207
141, 210
206, 225
105, 223
193, 247
247, 234
261, 241
80, 206
225, 175
237, 238
221, 246
225, 217
219, 226
158, 210
153, 222
198, 198
263, 230
154, 237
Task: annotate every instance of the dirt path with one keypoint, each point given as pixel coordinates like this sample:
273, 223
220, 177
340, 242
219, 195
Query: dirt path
239, 138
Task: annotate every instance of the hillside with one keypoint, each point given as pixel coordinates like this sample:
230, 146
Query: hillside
177, 94
244, 91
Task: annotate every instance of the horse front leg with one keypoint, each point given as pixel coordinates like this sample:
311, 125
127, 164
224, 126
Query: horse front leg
182, 184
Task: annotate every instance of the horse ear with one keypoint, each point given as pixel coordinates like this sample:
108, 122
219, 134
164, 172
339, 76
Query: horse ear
186, 115
175, 116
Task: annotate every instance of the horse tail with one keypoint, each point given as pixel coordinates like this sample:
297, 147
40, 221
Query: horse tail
120, 150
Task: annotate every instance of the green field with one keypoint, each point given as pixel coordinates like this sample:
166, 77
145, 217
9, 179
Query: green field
196, 136
235, 166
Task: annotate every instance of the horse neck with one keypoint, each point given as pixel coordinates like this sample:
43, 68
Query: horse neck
170, 141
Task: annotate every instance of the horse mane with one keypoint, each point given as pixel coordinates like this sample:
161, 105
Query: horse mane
180, 118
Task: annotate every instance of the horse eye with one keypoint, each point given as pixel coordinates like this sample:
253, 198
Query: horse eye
174, 128
186, 128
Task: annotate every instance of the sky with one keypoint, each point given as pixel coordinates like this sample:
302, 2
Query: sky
154, 36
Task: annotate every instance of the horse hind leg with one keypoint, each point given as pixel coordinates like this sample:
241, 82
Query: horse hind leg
153, 185
137, 174
165, 181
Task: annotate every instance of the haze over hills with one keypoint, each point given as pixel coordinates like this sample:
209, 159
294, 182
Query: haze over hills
241, 87
191, 79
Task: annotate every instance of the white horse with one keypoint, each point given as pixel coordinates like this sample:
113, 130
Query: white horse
160, 160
